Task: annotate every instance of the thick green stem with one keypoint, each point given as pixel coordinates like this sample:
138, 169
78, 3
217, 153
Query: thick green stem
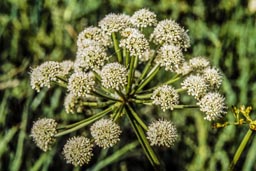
117, 113
116, 47
126, 56
136, 117
85, 122
152, 157
103, 95
146, 69
149, 77
143, 96
132, 66
170, 81
98, 104
142, 101
240, 149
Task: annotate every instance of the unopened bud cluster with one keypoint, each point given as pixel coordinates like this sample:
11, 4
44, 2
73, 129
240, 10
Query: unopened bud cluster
114, 70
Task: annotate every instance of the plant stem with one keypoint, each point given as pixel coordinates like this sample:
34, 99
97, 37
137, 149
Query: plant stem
85, 122
143, 96
146, 102
103, 95
137, 118
149, 77
170, 81
98, 104
117, 49
146, 69
240, 149
117, 113
149, 152
127, 57
132, 66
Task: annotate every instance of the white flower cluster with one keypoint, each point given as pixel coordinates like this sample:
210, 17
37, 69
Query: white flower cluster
114, 73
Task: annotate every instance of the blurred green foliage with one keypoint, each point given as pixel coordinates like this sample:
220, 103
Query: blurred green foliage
35, 31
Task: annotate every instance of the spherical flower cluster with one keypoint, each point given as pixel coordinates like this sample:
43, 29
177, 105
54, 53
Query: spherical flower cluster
43, 132
93, 57
136, 44
73, 104
143, 18
78, 151
212, 104
96, 34
114, 75
44, 74
105, 132
170, 32
162, 133
170, 57
80, 84
195, 86
198, 63
85, 43
212, 77
112, 23
165, 96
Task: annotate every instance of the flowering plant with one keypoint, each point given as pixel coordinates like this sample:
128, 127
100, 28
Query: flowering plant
114, 71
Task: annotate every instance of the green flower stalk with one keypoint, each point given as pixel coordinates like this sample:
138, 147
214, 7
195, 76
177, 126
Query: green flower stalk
114, 85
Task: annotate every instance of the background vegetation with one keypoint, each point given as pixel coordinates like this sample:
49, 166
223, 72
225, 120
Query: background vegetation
32, 32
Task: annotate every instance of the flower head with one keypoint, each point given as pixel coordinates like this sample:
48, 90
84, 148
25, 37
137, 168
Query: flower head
198, 63
114, 75
165, 96
96, 34
212, 104
85, 43
114, 23
92, 57
80, 84
78, 151
195, 86
170, 57
44, 74
135, 43
43, 131
170, 32
105, 133
143, 18
162, 133
212, 77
